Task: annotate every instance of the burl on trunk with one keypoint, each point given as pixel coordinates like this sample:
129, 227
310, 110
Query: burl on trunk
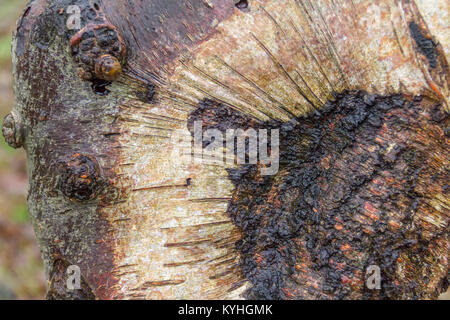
357, 92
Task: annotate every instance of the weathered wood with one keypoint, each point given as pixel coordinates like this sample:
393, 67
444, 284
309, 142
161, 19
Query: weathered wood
358, 89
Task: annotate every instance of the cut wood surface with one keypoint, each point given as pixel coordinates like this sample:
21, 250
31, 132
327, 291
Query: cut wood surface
359, 90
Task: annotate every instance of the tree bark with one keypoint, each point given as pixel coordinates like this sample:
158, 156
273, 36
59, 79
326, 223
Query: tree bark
359, 91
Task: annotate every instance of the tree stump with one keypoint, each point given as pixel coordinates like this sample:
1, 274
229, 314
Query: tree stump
357, 91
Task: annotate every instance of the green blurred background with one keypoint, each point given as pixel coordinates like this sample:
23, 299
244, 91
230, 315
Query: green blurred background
21, 269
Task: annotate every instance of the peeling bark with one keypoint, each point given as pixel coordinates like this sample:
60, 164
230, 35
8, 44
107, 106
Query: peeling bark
358, 89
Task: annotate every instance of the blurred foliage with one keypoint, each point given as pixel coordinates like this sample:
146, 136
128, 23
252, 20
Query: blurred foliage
5, 49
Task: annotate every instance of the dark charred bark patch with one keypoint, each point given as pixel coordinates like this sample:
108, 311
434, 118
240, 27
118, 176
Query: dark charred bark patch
424, 43
350, 185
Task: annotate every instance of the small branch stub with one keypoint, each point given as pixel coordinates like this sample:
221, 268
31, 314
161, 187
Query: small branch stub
99, 51
12, 131
80, 178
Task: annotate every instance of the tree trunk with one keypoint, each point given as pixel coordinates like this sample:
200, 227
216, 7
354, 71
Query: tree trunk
358, 91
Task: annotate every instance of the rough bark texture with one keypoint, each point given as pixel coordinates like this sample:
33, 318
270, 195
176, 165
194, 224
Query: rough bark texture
358, 89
